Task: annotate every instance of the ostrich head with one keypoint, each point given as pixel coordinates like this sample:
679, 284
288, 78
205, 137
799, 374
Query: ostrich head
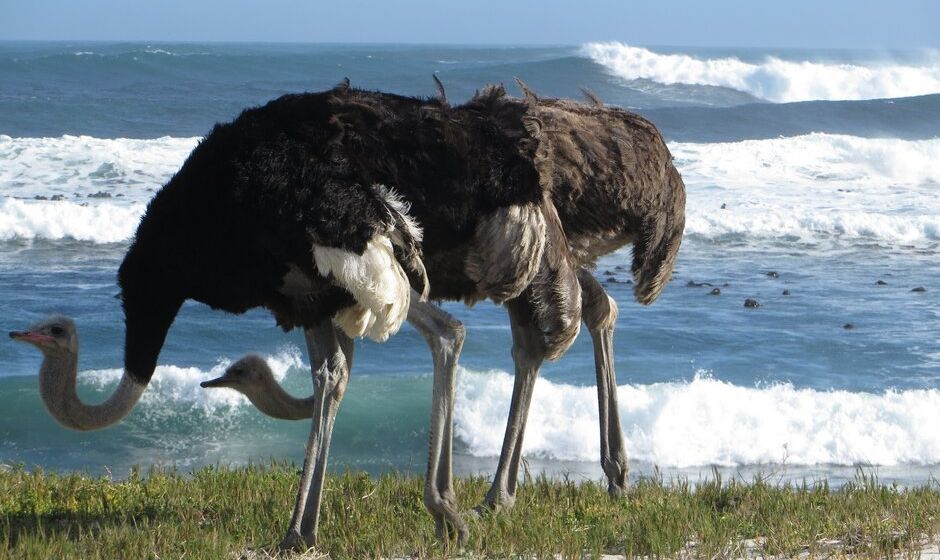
252, 377
55, 336
247, 375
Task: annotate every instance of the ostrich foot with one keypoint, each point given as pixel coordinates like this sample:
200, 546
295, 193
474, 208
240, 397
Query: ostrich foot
497, 501
617, 472
453, 529
448, 525
294, 542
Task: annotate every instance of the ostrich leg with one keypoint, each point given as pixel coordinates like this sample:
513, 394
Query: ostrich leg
528, 352
330, 353
445, 336
599, 312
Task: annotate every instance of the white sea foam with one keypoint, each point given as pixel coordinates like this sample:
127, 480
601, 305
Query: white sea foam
103, 184
808, 187
150, 50
681, 424
99, 223
78, 166
179, 386
813, 186
772, 79
709, 422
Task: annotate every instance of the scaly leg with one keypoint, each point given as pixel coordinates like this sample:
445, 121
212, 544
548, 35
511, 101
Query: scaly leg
445, 336
328, 348
528, 352
599, 312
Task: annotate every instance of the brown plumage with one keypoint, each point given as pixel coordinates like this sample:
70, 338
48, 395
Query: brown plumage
611, 178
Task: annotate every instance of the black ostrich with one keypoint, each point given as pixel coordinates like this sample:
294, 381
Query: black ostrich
342, 211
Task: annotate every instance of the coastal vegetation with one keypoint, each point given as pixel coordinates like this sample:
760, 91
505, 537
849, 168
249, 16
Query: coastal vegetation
220, 512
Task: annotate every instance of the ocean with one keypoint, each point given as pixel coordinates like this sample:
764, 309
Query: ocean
807, 171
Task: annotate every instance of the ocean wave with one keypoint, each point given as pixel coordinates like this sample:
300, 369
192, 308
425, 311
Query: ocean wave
173, 388
80, 166
98, 223
704, 421
808, 187
708, 422
772, 79
81, 187
813, 186
812, 159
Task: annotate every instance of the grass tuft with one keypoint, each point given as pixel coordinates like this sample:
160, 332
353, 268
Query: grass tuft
218, 512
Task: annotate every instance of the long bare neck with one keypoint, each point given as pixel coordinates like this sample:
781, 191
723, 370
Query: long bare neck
273, 400
57, 380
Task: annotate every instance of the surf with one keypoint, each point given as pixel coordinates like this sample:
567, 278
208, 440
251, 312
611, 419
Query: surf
772, 79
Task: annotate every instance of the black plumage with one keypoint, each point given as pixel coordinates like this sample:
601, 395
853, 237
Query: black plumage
257, 194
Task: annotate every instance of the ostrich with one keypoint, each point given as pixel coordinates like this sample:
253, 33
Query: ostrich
581, 148
343, 211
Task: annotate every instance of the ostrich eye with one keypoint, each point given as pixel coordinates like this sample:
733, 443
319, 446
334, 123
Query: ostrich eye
56, 330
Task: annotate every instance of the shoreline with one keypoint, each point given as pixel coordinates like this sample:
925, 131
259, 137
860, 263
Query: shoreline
577, 472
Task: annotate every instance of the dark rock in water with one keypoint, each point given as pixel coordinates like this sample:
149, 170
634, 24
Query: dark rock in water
612, 280
57, 197
609, 273
726, 285
881, 283
118, 195
620, 267
751, 303
848, 326
715, 292
40, 197
919, 289
100, 194
786, 292
724, 206
773, 274
694, 284
628, 282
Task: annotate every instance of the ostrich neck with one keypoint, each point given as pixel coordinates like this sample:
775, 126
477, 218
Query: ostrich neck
57, 381
274, 401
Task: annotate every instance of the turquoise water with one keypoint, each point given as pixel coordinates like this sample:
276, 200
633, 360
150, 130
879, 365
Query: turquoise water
825, 167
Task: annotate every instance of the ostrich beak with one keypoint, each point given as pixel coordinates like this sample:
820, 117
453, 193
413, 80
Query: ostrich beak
31, 337
217, 382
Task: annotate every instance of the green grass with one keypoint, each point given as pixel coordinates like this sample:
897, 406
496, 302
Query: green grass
222, 513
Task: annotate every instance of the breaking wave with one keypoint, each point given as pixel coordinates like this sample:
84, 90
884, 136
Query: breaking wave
99, 223
773, 79
813, 186
709, 422
808, 187
173, 387
87, 169
81, 187
700, 422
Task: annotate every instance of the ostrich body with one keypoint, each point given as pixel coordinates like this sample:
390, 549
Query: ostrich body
341, 211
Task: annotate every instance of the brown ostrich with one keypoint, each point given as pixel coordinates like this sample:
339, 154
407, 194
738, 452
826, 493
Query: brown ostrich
341, 211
